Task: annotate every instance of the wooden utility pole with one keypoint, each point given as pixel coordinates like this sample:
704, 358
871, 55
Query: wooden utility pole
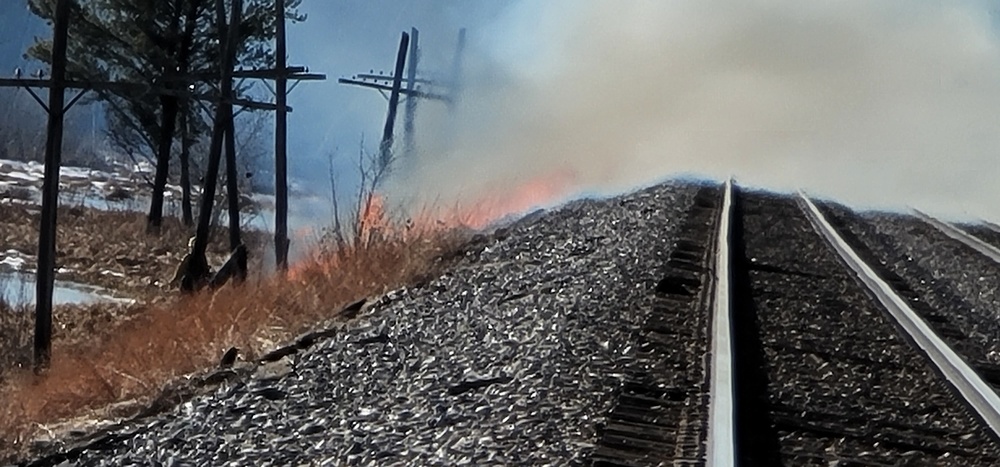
238, 258
232, 182
232, 179
50, 191
281, 143
456, 68
385, 148
411, 102
440, 90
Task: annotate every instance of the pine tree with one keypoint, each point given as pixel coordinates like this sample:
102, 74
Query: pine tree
161, 44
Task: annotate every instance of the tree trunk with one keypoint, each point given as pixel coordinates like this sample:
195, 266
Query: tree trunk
190, 22
186, 171
233, 193
169, 108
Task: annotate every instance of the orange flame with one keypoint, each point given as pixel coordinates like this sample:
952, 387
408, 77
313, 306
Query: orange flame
374, 224
372, 221
537, 192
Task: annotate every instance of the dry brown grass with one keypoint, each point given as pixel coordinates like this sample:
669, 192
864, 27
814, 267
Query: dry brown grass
16, 324
138, 356
91, 241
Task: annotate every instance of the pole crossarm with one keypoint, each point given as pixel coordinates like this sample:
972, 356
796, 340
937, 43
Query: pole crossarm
269, 73
382, 87
307, 77
121, 86
292, 72
77, 84
388, 78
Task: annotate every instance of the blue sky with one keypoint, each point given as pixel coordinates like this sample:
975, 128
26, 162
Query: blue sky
342, 38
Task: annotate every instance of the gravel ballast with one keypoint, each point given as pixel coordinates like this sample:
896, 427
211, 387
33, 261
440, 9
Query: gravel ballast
513, 357
958, 283
842, 385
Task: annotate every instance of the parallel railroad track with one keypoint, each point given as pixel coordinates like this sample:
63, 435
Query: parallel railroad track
827, 361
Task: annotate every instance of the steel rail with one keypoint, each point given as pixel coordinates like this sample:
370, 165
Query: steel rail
721, 448
962, 236
977, 393
990, 225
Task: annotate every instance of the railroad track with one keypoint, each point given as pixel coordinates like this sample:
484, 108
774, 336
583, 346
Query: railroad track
980, 246
809, 355
661, 412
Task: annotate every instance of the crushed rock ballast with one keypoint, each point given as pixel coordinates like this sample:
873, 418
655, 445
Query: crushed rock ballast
514, 356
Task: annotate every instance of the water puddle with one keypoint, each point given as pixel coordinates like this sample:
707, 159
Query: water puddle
19, 288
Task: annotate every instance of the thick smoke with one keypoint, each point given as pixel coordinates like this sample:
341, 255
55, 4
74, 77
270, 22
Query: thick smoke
872, 102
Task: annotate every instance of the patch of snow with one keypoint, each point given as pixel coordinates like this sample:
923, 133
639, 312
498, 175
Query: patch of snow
74, 172
144, 167
23, 176
13, 262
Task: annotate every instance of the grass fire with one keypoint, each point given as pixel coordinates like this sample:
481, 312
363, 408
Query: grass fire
206, 257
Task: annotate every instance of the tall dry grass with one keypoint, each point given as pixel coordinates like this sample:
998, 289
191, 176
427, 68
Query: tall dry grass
16, 325
139, 356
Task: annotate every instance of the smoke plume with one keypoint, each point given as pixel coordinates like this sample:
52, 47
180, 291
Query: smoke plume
873, 102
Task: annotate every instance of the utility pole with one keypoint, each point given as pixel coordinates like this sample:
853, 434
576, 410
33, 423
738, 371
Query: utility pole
232, 182
456, 68
233, 190
50, 191
281, 143
238, 258
411, 103
385, 148
281, 74
444, 91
